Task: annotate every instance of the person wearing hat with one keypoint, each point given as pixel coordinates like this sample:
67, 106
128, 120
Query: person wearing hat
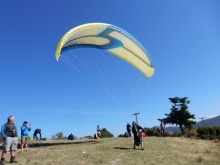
24, 134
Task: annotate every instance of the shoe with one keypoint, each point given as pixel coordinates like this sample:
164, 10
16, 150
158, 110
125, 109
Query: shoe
142, 148
2, 162
13, 160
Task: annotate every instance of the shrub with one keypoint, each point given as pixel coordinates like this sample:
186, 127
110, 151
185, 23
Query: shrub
217, 129
151, 131
177, 134
168, 134
105, 133
58, 136
209, 132
190, 132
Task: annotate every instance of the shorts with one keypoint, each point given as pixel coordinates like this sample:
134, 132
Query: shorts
24, 139
10, 144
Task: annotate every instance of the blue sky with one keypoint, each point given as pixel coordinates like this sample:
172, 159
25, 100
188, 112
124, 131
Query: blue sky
182, 37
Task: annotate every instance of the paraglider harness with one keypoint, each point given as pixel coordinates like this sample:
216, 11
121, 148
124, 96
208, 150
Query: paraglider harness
98, 133
137, 136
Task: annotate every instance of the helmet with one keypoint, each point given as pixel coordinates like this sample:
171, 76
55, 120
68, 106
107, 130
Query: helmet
133, 123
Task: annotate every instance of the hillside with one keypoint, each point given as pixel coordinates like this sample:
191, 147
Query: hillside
215, 121
209, 122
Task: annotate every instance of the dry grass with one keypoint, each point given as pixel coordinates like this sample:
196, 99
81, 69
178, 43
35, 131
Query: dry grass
119, 151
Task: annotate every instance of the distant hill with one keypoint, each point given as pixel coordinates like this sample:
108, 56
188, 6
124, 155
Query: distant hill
172, 129
209, 122
215, 121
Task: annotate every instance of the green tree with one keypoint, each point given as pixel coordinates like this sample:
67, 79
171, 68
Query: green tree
179, 114
105, 133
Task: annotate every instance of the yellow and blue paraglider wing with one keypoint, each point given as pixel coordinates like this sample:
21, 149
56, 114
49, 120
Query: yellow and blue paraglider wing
109, 38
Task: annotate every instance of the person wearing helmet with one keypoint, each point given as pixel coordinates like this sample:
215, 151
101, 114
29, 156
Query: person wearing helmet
136, 133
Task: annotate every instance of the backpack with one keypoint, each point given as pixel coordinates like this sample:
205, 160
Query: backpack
126, 134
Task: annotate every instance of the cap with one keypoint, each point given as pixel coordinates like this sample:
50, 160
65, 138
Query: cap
25, 122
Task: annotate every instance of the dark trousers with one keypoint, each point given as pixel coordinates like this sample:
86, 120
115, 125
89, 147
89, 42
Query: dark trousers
129, 133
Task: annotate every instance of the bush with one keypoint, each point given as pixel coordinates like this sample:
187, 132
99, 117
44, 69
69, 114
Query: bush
58, 136
177, 134
168, 134
190, 132
209, 132
217, 129
105, 133
151, 131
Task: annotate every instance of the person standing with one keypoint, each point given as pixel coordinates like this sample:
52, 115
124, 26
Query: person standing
137, 137
129, 129
24, 134
10, 136
162, 128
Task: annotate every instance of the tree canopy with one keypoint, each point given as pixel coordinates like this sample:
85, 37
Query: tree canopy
179, 114
105, 133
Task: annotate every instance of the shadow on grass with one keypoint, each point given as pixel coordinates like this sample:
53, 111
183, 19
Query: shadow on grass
122, 148
45, 144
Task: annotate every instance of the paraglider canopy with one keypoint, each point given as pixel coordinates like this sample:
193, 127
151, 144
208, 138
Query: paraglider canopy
109, 38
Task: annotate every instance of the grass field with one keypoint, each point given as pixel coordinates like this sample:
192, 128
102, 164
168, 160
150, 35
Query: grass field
119, 151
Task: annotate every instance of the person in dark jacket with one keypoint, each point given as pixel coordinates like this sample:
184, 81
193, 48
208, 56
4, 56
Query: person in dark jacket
129, 129
10, 136
137, 137
70, 137
37, 131
24, 134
